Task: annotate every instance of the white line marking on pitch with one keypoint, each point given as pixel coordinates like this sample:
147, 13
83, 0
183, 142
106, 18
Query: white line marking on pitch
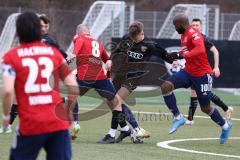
156, 113
165, 144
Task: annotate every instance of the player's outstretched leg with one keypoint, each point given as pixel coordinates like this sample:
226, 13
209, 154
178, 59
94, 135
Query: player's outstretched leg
218, 119
132, 120
217, 100
170, 100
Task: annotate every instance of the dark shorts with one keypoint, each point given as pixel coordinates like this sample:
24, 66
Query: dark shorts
103, 87
56, 144
121, 81
129, 86
202, 85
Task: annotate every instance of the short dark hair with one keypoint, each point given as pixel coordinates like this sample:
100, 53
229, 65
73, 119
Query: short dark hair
197, 20
45, 19
28, 27
135, 28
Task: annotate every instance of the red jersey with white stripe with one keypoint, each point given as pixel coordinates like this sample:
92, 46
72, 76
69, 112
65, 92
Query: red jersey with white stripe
193, 50
39, 104
90, 54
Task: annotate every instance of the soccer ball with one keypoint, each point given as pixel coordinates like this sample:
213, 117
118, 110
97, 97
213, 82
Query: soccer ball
135, 138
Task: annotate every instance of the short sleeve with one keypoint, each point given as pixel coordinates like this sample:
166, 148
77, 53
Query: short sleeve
7, 65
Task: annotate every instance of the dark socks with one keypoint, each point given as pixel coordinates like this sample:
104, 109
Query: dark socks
216, 117
170, 101
129, 116
118, 118
75, 112
114, 122
216, 100
192, 108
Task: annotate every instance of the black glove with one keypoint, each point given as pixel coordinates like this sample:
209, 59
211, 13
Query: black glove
174, 55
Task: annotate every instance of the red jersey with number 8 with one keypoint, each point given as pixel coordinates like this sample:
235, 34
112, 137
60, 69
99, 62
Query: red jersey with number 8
40, 105
89, 54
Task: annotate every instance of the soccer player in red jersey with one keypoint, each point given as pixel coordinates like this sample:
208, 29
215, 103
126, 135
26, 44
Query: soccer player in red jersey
90, 55
27, 69
197, 24
45, 38
197, 73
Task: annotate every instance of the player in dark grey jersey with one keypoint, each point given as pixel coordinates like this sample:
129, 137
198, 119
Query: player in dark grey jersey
134, 48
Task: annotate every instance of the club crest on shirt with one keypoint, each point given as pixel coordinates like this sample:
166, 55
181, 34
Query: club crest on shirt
143, 48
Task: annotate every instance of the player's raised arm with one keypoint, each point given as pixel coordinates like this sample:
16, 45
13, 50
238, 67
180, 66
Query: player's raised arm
162, 53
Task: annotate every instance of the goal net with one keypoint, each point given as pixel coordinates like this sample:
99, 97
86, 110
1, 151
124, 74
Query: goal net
235, 33
8, 34
209, 15
107, 19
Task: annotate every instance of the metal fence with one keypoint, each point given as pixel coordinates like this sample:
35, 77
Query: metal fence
62, 26
64, 22
153, 20
227, 21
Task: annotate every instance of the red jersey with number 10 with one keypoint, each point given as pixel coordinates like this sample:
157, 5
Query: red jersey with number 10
39, 104
193, 50
89, 54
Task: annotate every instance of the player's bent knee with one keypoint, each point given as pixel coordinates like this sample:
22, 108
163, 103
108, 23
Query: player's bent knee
167, 87
116, 103
193, 93
206, 109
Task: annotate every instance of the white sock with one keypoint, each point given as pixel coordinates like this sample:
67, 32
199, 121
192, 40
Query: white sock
75, 123
112, 132
126, 128
225, 126
137, 129
178, 117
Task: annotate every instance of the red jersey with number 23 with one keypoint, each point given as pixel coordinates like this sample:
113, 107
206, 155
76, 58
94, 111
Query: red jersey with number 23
89, 54
194, 52
39, 104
